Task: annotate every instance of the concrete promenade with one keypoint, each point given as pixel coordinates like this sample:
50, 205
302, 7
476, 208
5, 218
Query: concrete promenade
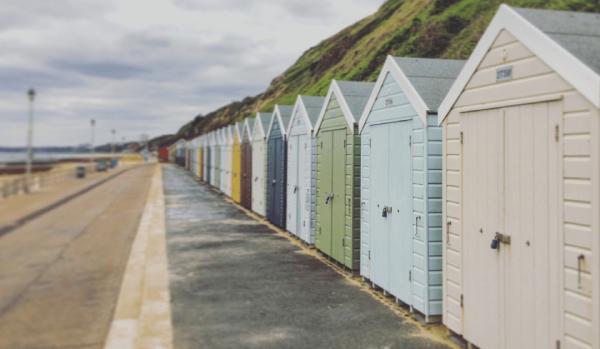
235, 283
60, 272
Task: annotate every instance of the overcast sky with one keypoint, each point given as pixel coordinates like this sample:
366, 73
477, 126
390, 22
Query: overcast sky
147, 66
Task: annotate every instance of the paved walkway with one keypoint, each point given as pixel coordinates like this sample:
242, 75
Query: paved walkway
235, 283
60, 273
15, 210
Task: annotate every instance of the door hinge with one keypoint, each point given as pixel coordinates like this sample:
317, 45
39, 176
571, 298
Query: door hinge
369, 142
321, 145
343, 242
344, 143
462, 137
556, 133
409, 141
462, 300
369, 254
410, 275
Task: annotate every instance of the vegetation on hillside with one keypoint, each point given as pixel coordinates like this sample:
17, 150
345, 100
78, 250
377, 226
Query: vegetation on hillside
415, 28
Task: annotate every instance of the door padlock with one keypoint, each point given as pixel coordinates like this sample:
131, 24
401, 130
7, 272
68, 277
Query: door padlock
495, 243
499, 238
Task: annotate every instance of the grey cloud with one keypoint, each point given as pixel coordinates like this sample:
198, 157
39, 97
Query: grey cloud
109, 70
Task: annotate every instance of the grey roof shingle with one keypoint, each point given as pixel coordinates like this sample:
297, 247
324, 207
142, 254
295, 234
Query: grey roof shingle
313, 105
265, 119
432, 78
577, 32
356, 94
285, 112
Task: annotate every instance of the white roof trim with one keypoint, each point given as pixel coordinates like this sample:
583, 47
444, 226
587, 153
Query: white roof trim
569, 67
237, 133
247, 129
229, 135
258, 125
335, 89
408, 89
276, 115
300, 104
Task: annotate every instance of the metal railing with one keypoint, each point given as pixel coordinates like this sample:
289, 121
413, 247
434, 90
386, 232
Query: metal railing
19, 185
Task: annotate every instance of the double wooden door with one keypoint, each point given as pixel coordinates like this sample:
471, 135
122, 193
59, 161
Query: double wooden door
246, 175
511, 249
276, 181
391, 209
298, 186
332, 188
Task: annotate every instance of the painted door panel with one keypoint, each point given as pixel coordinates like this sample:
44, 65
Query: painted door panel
379, 236
338, 204
323, 239
482, 204
511, 174
292, 186
531, 261
401, 216
303, 192
259, 177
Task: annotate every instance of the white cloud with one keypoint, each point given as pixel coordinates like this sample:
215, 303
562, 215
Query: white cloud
147, 66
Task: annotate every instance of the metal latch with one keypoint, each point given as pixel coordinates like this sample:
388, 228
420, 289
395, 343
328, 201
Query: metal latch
500, 238
329, 198
387, 210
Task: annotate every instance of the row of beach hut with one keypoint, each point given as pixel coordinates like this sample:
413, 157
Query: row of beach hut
469, 190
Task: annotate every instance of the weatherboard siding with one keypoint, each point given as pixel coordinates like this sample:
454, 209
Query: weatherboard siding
392, 105
334, 120
299, 128
579, 135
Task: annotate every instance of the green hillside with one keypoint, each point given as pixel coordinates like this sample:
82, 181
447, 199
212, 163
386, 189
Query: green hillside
417, 28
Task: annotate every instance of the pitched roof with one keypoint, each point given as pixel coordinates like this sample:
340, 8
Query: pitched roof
356, 94
249, 126
265, 118
567, 42
352, 97
283, 114
313, 105
577, 32
424, 82
432, 78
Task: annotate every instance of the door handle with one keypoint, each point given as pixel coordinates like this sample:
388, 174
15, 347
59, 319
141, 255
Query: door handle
295, 189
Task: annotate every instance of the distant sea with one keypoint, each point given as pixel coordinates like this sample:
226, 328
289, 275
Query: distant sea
18, 156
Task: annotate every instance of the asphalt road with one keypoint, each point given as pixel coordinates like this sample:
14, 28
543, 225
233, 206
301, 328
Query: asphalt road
60, 273
236, 284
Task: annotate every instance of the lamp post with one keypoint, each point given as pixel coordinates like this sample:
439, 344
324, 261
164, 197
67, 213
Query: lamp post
113, 131
92, 123
31, 95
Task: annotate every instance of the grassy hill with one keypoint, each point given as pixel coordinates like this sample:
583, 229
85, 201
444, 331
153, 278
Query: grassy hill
417, 28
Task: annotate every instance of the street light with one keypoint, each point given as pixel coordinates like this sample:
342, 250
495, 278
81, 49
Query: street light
31, 95
113, 131
92, 123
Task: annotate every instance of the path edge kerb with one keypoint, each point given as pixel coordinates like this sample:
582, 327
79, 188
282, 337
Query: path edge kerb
142, 317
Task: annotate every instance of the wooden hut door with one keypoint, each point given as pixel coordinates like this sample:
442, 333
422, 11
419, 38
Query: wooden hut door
379, 196
401, 218
271, 156
279, 188
324, 188
292, 189
338, 204
304, 187
511, 180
